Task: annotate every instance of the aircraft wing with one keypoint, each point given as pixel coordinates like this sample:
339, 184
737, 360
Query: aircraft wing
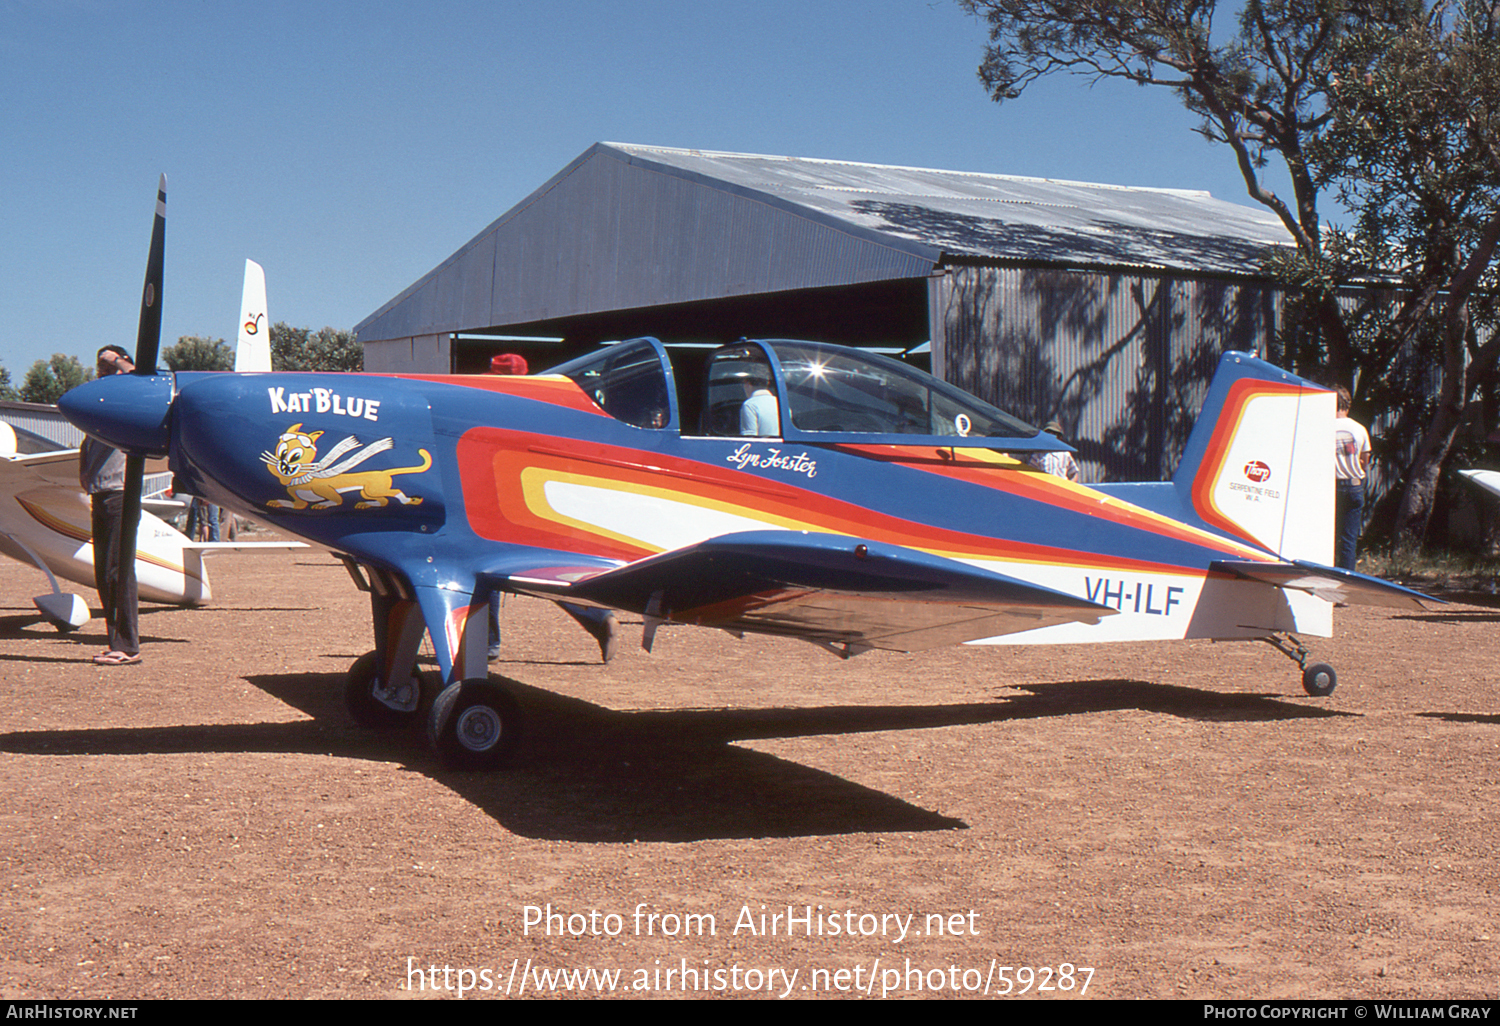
826, 588
1326, 582
240, 546
52, 468
61, 468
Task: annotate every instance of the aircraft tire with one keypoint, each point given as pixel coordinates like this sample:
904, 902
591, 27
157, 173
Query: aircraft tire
370, 711
1319, 680
475, 724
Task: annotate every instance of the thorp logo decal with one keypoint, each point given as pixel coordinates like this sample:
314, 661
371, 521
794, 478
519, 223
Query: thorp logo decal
1257, 471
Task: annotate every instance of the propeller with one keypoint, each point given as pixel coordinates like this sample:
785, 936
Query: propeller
148, 335
147, 344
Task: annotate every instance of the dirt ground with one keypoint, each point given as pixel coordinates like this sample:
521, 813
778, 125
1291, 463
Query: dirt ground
729, 817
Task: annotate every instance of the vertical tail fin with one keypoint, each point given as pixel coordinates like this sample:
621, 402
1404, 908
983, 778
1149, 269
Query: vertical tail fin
1259, 463
252, 351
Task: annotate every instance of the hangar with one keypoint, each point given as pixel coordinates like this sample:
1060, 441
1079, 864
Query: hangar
1102, 306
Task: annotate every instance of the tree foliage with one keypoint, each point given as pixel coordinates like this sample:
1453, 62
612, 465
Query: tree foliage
1388, 104
8, 391
199, 353
300, 349
1414, 151
49, 379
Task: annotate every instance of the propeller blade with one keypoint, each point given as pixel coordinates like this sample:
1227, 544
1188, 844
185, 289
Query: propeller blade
148, 336
147, 344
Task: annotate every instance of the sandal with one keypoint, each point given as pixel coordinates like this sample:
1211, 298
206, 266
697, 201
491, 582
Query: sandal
117, 658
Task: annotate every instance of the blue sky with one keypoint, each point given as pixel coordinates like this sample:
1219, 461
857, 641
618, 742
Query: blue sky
350, 147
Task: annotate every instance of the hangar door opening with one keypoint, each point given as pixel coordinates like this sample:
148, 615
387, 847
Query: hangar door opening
884, 315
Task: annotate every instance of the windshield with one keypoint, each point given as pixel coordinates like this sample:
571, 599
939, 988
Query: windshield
830, 388
627, 381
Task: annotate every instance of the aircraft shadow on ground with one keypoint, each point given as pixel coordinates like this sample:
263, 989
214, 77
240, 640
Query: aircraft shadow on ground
1457, 617
590, 774
25, 626
1456, 717
91, 638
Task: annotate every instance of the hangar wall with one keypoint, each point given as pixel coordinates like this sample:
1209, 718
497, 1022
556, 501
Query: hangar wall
421, 354
1122, 359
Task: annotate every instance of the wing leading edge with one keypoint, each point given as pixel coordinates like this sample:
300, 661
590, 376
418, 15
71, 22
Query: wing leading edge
826, 588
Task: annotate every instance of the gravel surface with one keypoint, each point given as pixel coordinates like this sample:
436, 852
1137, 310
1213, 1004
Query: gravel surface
755, 817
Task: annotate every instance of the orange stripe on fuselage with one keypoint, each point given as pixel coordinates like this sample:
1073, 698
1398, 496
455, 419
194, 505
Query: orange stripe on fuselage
503, 472
1004, 473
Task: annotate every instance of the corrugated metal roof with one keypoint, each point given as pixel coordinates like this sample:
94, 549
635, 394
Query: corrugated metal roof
625, 227
1005, 217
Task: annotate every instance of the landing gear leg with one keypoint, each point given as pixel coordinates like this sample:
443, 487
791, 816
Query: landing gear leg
474, 722
384, 688
1318, 679
373, 702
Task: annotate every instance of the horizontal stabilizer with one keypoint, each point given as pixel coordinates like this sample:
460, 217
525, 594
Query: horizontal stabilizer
1489, 480
826, 588
1328, 583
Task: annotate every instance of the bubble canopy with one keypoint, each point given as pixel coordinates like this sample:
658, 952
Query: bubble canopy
832, 389
801, 391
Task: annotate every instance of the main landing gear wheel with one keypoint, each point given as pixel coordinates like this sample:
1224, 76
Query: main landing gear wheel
373, 703
475, 724
1319, 680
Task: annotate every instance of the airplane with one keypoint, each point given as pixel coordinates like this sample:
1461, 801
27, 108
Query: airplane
45, 517
876, 508
1489, 480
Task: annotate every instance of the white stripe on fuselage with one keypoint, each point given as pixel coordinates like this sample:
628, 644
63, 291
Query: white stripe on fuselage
653, 521
1149, 606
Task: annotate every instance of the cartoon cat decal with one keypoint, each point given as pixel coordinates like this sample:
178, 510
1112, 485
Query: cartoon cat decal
317, 483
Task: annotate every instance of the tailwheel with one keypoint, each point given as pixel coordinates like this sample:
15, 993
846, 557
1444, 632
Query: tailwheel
1319, 680
374, 703
475, 724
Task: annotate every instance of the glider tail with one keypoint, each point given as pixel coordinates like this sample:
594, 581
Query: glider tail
1259, 464
252, 351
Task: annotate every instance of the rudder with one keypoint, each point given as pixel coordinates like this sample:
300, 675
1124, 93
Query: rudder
1259, 463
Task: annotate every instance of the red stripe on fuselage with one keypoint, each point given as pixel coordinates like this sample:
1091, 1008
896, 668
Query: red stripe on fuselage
1030, 483
492, 460
557, 391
